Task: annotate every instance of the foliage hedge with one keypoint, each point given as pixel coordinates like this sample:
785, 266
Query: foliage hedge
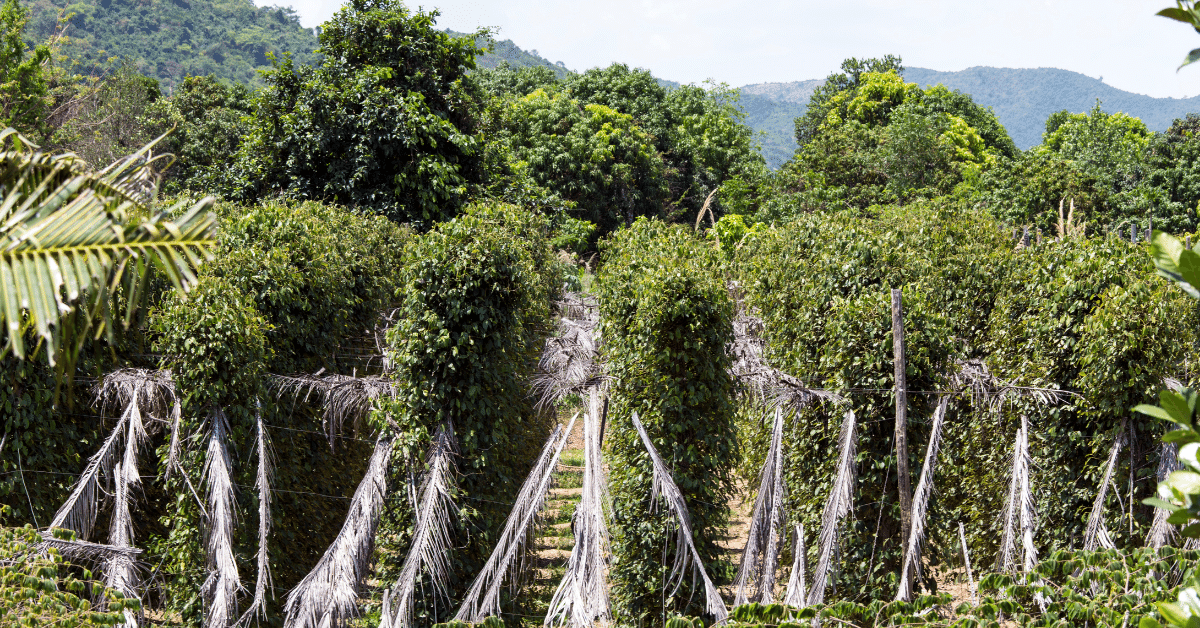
472, 311
666, 319
1085, 316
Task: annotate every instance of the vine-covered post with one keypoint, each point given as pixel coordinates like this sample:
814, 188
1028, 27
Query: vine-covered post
666, 320
903, 480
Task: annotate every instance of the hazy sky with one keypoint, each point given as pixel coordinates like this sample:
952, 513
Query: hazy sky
779, 40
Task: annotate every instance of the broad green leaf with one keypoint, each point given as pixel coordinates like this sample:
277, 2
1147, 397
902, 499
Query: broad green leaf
1186, 482
1177, 14
1154, 411
1159, 503
1191, 57
1176, 406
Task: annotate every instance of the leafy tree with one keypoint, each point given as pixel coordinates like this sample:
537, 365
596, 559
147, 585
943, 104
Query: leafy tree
387, 122
508, 80
24, 92
210, 119
589, 154
822, 101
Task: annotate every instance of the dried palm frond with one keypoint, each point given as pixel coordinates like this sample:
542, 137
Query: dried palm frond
760, 557
154, 390
1096, 534
85, 552
173, 449
222, 584
685, 548
483, 598
1018, 509
837, 507
429, 552
764, 383
78, 513
920, 506
797, 588
328, 596
1163, 533
962, 538
119, 572
582, 595
988, 391
570, 362
262, 482
344, 399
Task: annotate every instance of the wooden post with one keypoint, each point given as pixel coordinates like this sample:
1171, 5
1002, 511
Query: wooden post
1187, 240
903, 480
1025, 237
1133, 233
1039, 238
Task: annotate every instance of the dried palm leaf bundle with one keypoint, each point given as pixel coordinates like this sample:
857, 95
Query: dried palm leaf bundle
760, 558
221, 587
909, 571
119, 571
1018, 509
343, 398
262, 482
570, 362
797, 588
78, 513
685, 547
837, 507
154, 390
988, 391
483, 598
1162, 533
328, 596
1096, 534
77, 551
582, 595
762, 382
430, 549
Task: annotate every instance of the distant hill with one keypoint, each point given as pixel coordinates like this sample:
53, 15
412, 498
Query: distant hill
1024, 98
505, 51
1021, 98
171, 39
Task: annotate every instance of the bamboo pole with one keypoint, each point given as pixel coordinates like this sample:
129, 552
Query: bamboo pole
903, 478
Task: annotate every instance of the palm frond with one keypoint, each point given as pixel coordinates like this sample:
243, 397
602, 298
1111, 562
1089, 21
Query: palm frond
988, 391
761, 554
223, 583
154, 390
582, 595
1019, 509
262, 482
570, 362
328, 596
77, 551
483, 598
769, 386
1163, 533
344, 399
685, 548
920, 506
68, 235
78, 513
1096, 534
837, 507
430, 549
797, 588
119, 570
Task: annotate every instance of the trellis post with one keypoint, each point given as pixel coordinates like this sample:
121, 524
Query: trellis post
903, 481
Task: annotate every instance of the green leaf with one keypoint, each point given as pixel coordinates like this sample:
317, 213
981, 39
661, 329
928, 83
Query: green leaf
1182, 437
1178, 15
1176, 406
1149, 622
1191, 57
1192, 531
1159, 503
1153, 411
1186, 482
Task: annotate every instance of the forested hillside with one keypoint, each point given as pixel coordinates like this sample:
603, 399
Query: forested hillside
170, 39
411, 337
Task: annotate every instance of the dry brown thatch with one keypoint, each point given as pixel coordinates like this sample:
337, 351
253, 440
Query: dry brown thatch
837, 507
909, 571
343, 398
570, 362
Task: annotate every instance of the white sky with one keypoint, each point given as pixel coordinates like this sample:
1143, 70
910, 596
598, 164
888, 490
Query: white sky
789, 40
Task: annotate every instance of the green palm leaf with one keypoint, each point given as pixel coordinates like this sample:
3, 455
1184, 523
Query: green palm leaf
71, 239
